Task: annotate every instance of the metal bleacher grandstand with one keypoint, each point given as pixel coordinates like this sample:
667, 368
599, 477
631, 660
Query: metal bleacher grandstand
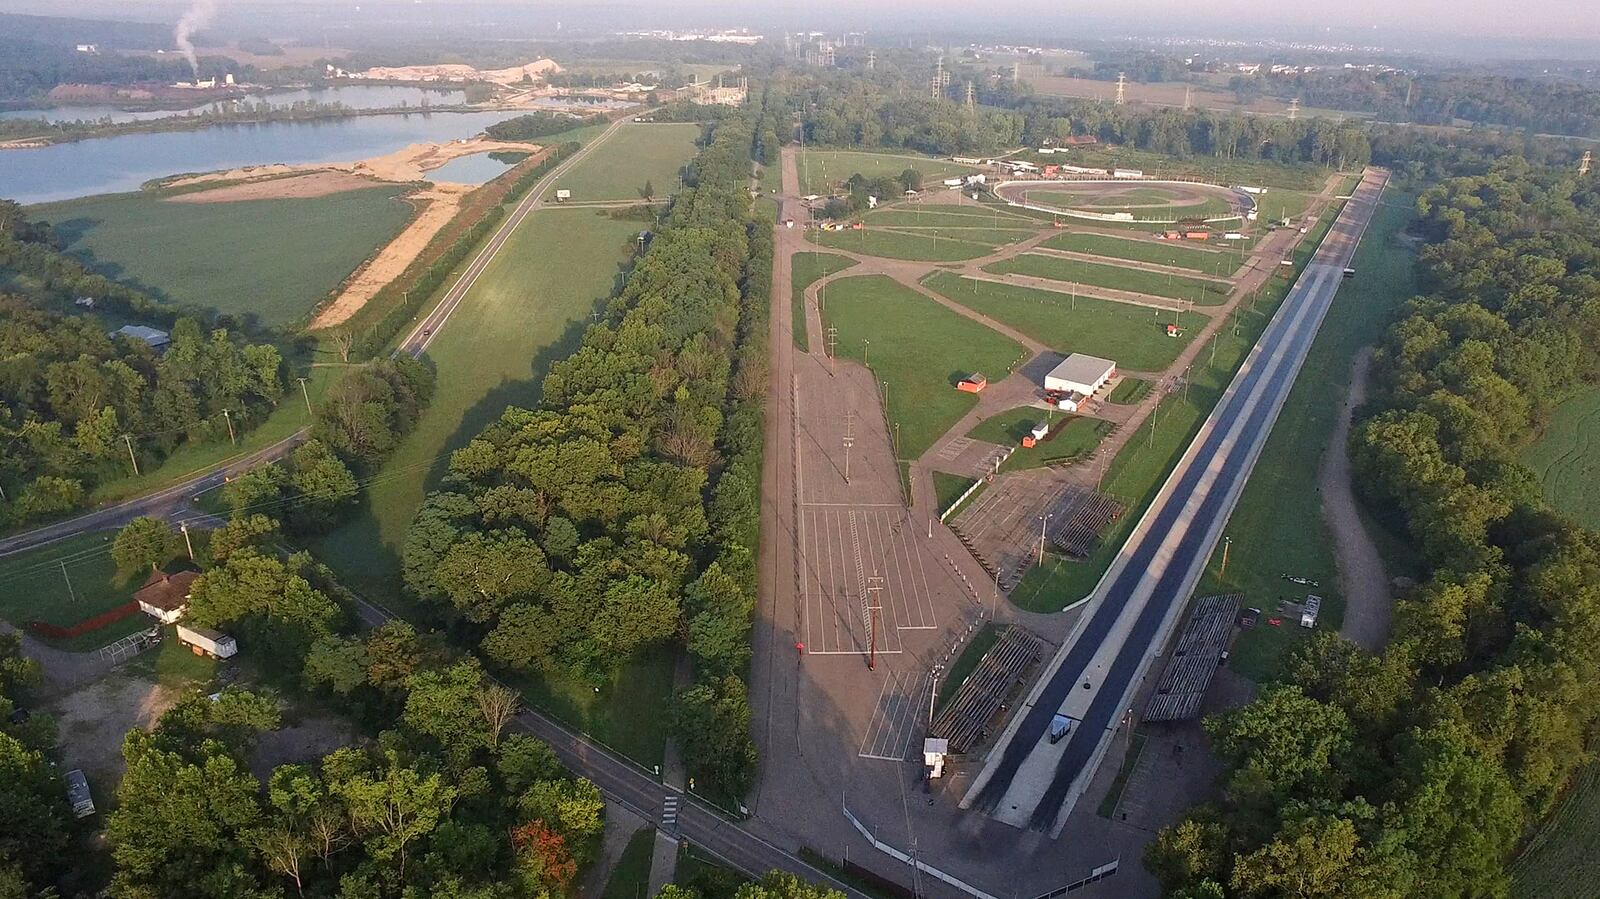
1195, 658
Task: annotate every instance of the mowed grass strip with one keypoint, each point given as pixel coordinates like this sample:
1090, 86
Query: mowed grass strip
1163, 253
526, 310
947, 487
1566, 457
267, 260
1281, 204
820, 169
1128, 391
937, 215
920, 348
1116, 277
806, 269
1134, 336
1068, 440
927, 247
620, 168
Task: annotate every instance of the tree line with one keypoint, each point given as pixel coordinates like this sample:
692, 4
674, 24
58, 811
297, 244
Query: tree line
75, 402
1416, 771
568, 537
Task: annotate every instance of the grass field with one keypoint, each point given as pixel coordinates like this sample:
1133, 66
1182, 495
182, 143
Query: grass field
1562, 858
630, 878
619, 168
935, 215
1128, 391
1567, 458
1151, 203
1207, 168
1134, 336
66, 582
1116, 277
527, 310
1277, 526
804, 270
820, 169
1281, 204
924, 246
1166, 253
271, 260
948, 487
1071, 439
920, 348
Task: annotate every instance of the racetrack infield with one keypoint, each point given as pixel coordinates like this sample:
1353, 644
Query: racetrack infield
1143, 200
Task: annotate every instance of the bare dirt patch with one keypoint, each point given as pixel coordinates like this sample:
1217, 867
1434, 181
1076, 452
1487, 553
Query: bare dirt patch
306, 740
311, 184
92, 721
404, 165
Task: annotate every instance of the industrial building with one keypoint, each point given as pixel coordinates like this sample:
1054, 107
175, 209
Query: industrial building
1079, 373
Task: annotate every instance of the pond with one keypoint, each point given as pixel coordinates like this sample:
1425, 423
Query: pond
479, 168
123, 163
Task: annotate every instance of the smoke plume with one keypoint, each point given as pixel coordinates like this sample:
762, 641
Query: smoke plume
198, 17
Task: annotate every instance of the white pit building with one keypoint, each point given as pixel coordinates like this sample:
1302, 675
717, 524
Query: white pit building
1080, 374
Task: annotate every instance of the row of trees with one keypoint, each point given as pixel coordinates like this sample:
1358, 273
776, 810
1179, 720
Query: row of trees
891, 110
1414, 772
35, 827
74, 402
569, 536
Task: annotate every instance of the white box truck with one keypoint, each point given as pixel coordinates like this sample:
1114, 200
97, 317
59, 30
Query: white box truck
205, 641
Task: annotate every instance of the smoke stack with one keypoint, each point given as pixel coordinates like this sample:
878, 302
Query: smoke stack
198, 17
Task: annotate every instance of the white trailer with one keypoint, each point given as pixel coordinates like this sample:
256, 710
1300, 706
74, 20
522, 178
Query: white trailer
205, 641
1127, 173
1309, 610
78, 794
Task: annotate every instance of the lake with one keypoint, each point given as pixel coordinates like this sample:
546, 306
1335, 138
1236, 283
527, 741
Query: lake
478, 168
123, 163
354, 96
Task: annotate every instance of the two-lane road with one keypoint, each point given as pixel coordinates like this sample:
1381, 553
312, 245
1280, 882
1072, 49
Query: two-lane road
1029, 782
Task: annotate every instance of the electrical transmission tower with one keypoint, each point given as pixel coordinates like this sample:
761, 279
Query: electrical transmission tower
1122, 85
872, 60
1294, 109
1186, 96
941, 81
1585, 162
1016, 72
972, 101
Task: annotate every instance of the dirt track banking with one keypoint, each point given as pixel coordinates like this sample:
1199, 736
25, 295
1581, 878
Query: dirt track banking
416, 343
1028, 782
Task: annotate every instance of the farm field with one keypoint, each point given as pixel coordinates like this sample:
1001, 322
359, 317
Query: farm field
1164, 253
619, 168
1068, 440
526, 310
927, 246
1159, 284
821, 168
805, 269
1277, 526
920, 348
1566, 458
1132, 335
1563, 857
270, 260
66, 582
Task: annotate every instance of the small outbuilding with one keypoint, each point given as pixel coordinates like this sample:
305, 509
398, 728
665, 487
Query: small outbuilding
155, 337
973, 383
1079, 373
165, 597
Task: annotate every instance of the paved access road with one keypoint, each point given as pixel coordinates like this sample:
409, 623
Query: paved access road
170, 502
1027, 781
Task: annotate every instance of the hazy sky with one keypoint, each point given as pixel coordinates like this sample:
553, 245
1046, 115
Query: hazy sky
1390, 23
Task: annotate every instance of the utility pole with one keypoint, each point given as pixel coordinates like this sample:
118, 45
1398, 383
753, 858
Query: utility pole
866, 345
849, 440
305, 393
233, 441
874, 586
1044, 522
1585, 163
1122, 86
1294, 109
128, 439
1186, 90
1227, 543
833, 341
184, 527
71, 594
872, 60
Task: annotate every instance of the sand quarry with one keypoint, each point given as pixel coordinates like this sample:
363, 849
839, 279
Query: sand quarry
436, 203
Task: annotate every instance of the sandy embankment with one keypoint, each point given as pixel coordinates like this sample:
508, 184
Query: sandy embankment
407, 164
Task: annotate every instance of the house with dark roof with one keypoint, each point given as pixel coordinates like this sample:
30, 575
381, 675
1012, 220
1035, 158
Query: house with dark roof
165, 597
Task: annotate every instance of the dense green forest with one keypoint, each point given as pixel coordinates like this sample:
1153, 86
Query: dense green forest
1416, 771
570, 536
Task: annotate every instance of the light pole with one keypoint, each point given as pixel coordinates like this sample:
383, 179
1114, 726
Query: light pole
1044, 522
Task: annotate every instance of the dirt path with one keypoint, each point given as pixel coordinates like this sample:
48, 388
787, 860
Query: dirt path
63, 671
1368, 604
440, 204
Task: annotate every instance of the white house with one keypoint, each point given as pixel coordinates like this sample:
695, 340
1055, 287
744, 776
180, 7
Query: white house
1079, 373
165, 597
